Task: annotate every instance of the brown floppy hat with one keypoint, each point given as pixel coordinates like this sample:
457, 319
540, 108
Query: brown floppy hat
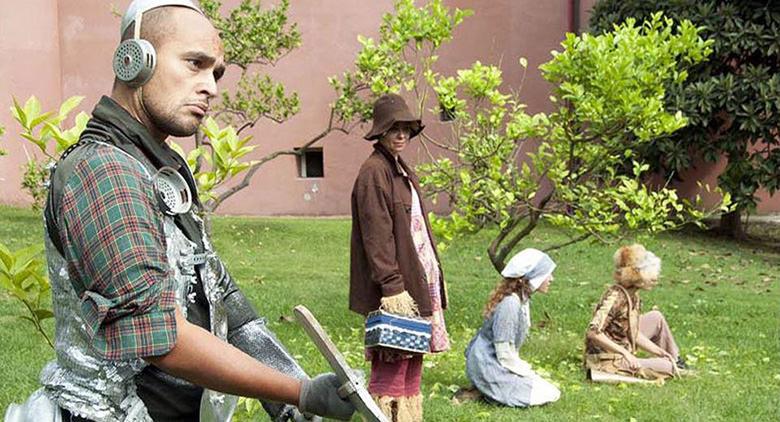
388, 110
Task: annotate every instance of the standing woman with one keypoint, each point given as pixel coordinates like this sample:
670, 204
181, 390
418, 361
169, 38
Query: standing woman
394, 264
492, 361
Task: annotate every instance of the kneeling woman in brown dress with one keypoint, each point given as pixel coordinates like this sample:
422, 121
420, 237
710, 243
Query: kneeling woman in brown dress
618, 329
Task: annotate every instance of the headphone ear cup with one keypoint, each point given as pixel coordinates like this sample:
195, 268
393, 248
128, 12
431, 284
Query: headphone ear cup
134, 62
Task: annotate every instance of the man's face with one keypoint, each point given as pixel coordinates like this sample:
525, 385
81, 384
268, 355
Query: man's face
190, 61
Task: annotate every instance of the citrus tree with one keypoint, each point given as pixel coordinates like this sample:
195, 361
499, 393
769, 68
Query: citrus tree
397, 61
583, 173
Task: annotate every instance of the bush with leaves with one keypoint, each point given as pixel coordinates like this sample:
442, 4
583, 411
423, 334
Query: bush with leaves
44, 130
23, 276
584, 176
732, 101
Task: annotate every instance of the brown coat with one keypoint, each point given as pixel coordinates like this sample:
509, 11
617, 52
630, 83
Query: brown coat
383, 259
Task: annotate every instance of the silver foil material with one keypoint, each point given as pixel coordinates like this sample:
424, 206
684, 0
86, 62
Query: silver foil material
38, 408
182, 260
214, 405
79, 380
255, 339
101, 390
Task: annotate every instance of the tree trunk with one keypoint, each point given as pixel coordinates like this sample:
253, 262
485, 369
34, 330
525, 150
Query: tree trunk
731, 224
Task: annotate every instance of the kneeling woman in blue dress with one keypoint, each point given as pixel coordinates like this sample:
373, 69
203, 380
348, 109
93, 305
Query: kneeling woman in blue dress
492, 361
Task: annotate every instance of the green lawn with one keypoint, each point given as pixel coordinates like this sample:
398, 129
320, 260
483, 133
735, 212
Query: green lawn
721, 299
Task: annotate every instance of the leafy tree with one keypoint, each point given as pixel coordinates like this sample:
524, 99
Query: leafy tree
584, 175
252, 37
732, 101
397, 61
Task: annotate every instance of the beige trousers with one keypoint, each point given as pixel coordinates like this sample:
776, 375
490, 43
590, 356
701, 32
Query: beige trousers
654, 326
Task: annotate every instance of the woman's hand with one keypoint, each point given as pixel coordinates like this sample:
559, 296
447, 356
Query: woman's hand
400, 304
631, 360
647, 345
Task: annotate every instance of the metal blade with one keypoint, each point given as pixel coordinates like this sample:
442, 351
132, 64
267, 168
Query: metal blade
352, 386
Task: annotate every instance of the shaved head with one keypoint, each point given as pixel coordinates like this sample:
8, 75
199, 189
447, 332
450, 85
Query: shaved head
156, 25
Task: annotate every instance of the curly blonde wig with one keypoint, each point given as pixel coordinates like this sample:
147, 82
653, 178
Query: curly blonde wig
636, 267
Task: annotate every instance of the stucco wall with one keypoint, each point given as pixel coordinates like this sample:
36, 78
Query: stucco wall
58, 49
29, 64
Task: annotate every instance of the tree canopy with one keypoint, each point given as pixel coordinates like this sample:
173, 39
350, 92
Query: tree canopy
732, 100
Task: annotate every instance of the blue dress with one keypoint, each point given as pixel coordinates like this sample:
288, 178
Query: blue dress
508, 323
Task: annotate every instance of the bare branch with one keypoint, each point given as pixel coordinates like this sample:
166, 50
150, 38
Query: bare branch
498, 259
198, 142
438, 144
499, 253
246, 125
214, 203
570, 242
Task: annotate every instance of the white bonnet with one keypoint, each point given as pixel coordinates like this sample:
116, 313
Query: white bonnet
531, 264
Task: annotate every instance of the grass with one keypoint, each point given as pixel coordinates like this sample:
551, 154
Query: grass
720, 298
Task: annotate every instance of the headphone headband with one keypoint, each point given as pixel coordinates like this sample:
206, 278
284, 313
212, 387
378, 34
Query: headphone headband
135, 59
139, 7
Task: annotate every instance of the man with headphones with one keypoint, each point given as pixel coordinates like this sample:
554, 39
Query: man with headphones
149, 323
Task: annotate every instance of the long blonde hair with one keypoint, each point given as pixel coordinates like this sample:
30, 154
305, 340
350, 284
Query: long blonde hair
504, 288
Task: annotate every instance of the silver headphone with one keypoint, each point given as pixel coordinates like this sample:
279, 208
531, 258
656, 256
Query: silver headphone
135, 59
173, 193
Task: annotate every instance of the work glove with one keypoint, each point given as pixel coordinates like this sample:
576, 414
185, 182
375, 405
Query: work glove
320, 396
401, 304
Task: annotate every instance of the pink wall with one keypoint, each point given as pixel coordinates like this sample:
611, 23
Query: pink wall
708, 173
30, 64
64, 48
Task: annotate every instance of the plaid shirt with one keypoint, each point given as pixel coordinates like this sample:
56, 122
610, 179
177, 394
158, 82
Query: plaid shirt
113, 240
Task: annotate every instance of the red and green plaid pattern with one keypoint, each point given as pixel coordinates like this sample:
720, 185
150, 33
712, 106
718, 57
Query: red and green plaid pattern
114, 244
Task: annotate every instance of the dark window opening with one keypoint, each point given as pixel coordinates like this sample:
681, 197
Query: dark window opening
310, 163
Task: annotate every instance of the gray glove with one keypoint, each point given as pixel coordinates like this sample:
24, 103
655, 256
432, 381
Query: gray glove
320, 396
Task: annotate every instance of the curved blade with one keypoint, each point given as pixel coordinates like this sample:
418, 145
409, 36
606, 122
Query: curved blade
352, 386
